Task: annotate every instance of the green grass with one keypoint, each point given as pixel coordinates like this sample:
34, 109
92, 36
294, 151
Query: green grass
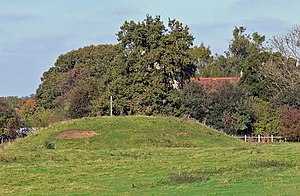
146, 156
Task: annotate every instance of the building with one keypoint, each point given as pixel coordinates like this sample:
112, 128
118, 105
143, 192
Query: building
213, 84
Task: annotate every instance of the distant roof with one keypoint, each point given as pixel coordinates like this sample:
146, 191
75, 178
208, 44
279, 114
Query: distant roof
213, 84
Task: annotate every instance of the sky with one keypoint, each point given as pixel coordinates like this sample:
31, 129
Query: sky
33, 33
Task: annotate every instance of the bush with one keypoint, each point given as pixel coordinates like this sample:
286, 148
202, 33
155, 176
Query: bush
45, 117
290, 124
266, 118
9, 120
195, 101
226, 110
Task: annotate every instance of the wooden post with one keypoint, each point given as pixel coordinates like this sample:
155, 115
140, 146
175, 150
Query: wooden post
111, 106
245, 138
258, 138
272, 139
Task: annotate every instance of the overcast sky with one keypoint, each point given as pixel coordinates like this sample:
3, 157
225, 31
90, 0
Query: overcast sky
33, 33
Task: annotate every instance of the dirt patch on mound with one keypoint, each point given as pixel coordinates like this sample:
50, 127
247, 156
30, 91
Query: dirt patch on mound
183, 133
76, 134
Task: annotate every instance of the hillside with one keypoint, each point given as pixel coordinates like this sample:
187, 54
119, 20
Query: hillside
131, 132
143, 155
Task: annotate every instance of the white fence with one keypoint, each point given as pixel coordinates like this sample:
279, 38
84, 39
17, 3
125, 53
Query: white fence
260, 138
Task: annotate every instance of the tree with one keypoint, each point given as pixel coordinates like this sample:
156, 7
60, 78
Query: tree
63, 83
13, 101
201, 57
143, 72
226, 111
290, 124
253, 80
26, 111
78, 100
155, 60
9, 120
283, 70
265, 117
196, 101
289, 44
245, 55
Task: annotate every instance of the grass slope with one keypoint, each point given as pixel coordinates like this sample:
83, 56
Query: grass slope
146, 155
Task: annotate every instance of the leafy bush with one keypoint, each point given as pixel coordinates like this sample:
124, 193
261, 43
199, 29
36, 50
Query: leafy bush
266, 118
9, 120
45, 117
195, 101
226, 110
290, 124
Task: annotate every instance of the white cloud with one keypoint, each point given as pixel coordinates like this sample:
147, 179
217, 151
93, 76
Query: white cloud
267, 23
17, 16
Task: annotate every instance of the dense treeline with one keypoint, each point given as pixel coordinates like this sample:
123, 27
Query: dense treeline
142, 73
148, 72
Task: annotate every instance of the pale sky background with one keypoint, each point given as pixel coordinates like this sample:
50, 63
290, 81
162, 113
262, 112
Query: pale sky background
33, 33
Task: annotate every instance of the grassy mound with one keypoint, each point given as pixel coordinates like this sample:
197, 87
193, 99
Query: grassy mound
145, 156
130, 132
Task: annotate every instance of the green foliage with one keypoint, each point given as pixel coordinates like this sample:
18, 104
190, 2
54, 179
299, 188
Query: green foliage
243, 45
245, 55
76, 76
141, 73
9, 120
253, 80
217, 68
196, 101
157, 60
266, 118
148, 71
226, 112
26, 112
201, 57
44, 117
12, 101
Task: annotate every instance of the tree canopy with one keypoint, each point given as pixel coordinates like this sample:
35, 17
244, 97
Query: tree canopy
9, 120
148, 72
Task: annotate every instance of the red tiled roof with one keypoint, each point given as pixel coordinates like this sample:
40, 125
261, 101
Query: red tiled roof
213, 84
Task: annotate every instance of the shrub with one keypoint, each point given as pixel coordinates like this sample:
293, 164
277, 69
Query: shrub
9, 120
266, 118
195, 101
290, 124
226, 111
45, 117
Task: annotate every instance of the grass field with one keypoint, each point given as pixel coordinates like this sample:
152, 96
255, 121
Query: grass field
146, 156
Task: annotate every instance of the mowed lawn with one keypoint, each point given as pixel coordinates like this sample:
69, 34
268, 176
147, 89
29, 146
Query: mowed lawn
146, 156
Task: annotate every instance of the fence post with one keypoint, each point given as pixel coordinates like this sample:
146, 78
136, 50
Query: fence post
258, 138
111, 110
245, 138
272, 139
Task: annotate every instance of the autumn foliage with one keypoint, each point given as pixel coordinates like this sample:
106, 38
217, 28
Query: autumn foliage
290, 124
